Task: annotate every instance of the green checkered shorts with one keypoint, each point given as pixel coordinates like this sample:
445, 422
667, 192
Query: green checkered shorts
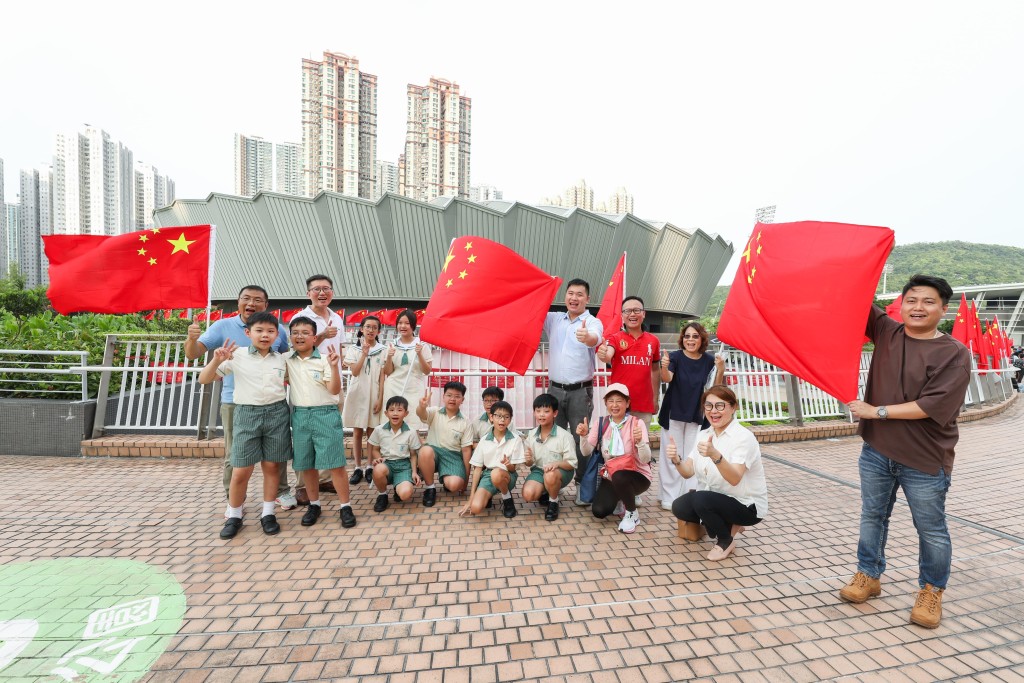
260, 433
449, 463
486, 485
318, 438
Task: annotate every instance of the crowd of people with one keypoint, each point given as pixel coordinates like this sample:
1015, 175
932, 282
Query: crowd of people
282, 401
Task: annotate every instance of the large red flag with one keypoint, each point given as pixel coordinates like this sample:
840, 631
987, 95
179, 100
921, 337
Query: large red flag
961, 326
893, 309
490, 302
801, 299
610, 313
157, 268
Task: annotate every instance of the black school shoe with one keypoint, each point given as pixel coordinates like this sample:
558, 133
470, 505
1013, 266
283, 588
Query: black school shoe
429, 497
312, 514
357, 476
348, 518
509, 507
382, 503
551, 514
231, 527
270, 525
544, 499
369, 476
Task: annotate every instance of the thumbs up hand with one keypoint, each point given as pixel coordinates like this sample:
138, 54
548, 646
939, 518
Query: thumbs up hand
664, 360
638, 433
330, 331
581, 332
605, 352
391, 351
583, 429
672, 452
194, 330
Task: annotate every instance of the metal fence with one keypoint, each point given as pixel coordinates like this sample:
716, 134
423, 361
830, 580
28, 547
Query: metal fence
43, 372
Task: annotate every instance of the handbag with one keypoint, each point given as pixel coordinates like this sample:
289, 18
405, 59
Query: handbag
619, 462
591, 474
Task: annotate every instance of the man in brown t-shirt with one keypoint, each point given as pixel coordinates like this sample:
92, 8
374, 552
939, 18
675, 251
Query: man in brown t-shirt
916, 386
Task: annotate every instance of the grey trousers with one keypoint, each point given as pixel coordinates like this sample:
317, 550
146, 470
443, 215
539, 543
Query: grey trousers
573, 406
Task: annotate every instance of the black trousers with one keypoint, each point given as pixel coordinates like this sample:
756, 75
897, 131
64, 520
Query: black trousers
716, 511
624, 486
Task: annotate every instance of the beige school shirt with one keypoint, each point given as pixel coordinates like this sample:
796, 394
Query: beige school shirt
481, 427
557, 447
308, 379
490, 451
259, 379
453, 433
394, 446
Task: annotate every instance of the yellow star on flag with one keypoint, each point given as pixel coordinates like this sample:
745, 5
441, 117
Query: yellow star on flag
472, 258
142, 252
447, 260
155, 231
448, 284
462, 275
152, 261
181, 244
469, 245
144, 238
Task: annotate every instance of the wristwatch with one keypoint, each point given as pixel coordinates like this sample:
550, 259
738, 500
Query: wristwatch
720, 456
882, 413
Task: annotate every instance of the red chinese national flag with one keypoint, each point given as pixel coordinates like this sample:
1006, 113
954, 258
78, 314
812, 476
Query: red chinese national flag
893, 309
389, 316
357, 317
801, 299
149, 269
977, 338
490, 302
960, 324
610, 313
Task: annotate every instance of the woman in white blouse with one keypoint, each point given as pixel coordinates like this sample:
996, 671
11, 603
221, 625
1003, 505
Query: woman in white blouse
731, 492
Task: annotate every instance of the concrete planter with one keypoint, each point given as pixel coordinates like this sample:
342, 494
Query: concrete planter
30, 426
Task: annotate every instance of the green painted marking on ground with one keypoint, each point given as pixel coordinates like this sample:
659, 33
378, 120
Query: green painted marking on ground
85, 619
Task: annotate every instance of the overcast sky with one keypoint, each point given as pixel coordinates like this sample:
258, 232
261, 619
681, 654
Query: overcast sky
903, 114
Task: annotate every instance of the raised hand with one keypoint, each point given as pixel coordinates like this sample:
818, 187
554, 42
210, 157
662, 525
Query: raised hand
425, 399
638, 433
330, 331
705, 448
194, 330
581, 332
720, 360
672, 452
529, 457
419, 347
391, 351
332, 357
224, 353
583, 429
664, 360
605, 352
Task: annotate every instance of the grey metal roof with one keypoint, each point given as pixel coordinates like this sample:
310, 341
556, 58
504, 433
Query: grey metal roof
392, 249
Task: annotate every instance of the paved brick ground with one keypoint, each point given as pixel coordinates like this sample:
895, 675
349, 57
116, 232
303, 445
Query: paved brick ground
415, 595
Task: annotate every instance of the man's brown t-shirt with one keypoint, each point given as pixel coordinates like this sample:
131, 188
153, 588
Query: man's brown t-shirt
933, 372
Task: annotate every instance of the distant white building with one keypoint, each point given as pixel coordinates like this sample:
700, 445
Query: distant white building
485, 193
581, 195
3, 224
152, 191
254, 165
35, 219
288, 163
386, 178
437, 142
11, 247
620, 202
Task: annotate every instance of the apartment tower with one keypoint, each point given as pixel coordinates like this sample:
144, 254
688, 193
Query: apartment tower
436, 159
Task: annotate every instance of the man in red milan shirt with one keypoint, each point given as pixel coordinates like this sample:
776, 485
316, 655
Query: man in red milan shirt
633, 355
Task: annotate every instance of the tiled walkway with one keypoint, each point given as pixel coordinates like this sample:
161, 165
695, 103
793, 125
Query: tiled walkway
418, 594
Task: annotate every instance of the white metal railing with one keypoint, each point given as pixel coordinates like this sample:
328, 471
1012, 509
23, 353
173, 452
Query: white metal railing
43, 372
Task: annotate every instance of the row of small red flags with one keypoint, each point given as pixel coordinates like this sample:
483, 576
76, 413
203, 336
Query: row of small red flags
387, 316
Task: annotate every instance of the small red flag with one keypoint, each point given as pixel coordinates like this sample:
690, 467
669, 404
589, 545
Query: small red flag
389, 316
168, 313
184, 314
150, 315
127, 273
977, 338
420, 313
216, 314
960, 324
287, 316
357, 317
489, 302
610, 313
893, 309
801, 299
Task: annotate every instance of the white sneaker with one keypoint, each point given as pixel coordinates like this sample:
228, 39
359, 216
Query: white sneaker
666, 506
579, 501
620, 510
639, 501
287, 501
629, 522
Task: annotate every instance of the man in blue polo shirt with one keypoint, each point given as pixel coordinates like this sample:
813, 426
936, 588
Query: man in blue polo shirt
251, 299
572, 340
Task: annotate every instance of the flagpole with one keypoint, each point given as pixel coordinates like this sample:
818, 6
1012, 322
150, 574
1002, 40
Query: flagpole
209, 275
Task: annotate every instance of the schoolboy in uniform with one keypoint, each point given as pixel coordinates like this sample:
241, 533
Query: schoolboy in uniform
317, 432
449, 442
551, 455
260, 422
393, 451
494, 464
482, 426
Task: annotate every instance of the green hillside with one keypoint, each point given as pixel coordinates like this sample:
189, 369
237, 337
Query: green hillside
961, 263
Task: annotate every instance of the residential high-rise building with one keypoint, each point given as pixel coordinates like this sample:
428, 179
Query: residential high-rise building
339, 126
620, 202
254, 165
385, 178
579, 195
289, 167
93, 184
3, 224
12, 240
484, 193
437, 142
35, 220
152, 191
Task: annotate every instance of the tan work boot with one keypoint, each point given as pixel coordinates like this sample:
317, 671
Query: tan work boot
861, 588
691, 531
927, 610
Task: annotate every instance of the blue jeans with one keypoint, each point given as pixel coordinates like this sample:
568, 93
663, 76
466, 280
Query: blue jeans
880, 478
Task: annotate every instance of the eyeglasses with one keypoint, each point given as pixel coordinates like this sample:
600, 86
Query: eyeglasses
691, 336
252, 300
632, 311
318, 290
504, 417
720, 406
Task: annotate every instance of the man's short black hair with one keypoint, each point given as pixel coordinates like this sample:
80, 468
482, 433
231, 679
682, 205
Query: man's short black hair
634, 298
257, 288
578, 282
933, 281
546, 401
313, 278
502, 405
496, 392
262, 317
397, 401
301, 320
457, 386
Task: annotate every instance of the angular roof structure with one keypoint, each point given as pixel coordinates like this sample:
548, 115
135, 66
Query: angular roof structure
392, 249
